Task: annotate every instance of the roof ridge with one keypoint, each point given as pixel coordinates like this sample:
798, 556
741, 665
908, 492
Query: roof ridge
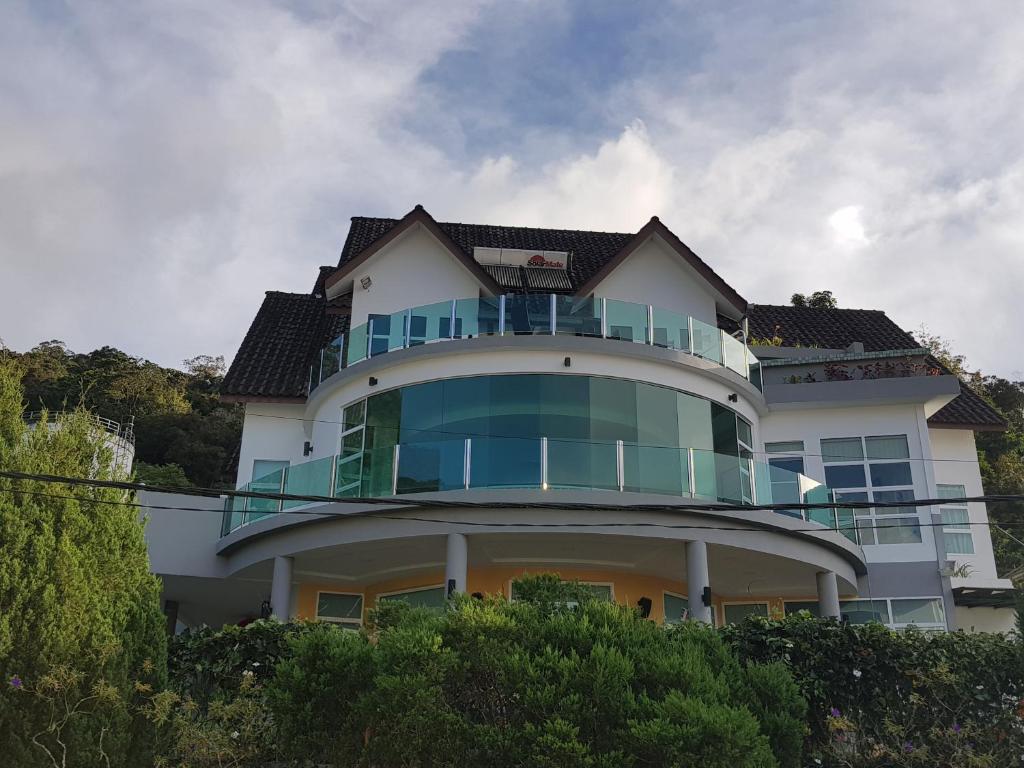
503, 226
819, 309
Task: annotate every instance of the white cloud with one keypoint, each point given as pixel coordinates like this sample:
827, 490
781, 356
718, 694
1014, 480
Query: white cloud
847, 227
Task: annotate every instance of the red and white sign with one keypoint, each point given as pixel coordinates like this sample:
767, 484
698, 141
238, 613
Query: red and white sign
519, 257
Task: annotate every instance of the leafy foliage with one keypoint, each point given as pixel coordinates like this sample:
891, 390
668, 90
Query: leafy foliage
179, 418
817, 300
79, 610
871, 691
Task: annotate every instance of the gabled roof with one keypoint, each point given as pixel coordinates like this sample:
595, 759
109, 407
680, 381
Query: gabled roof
592, 254
273, 361
839, 328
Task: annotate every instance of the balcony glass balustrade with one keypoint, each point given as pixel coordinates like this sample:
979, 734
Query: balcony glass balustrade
532, 315
539, 464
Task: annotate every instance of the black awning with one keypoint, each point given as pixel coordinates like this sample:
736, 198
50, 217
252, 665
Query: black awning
985, 597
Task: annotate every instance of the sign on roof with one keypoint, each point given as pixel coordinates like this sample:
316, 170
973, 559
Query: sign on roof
519, 257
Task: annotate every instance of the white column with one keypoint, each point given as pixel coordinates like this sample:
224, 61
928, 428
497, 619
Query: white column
456, 563
697, 579
828, 595
281, 589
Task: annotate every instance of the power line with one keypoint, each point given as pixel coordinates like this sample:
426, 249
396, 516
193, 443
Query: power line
480, 523
481, 435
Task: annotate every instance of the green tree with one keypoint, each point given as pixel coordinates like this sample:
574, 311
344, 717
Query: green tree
80, 617
816, 300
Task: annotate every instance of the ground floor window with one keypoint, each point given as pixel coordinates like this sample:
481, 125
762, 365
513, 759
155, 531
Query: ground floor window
896, 613
734, 613
677, 608
422, 597
342, 608
600, 590
792, 607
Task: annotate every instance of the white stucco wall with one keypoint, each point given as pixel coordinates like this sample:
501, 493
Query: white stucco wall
412, 271
654, 274
813, 424
271, 431
956, 463
984, 619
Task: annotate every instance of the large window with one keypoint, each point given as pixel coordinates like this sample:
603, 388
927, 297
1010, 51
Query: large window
956, 526
522, 425
895, 613
873, 469
424, 597
677, 608
786, 464
734, 613
341, 608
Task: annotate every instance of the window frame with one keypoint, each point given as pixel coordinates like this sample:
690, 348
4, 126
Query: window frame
868, 519
664, 614
899, 626
334, 620
726, 603
393, 593
956, 528
339, 490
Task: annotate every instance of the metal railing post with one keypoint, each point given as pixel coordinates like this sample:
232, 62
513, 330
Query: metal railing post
692, 471
394, 471
650, 325
620, 465
604, 318
501, 315
554, 319
369, 338
451, 330
334, 476
408, 328
721, 341
544, 463
689, 332
467, 462
753, 481
284, 479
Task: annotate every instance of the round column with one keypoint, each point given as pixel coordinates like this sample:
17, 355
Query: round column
281, 589
828, 595
697, 580
456, 564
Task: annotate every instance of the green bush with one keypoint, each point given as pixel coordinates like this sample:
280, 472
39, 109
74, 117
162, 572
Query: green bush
902, 697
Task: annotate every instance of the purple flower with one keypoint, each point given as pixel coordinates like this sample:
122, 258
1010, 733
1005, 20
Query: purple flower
956, 727
908, 746
834, 712
16, 683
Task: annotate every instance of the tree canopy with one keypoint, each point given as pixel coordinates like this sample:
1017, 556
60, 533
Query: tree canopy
817, 300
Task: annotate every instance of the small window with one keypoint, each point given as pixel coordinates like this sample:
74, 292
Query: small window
926, 613
355, 415
863, 611
883, 475
956, 522
889, 447
427, 597
811, 606
743, 432
847, 476
842, 449
737, 612
676, 608
787, 446
340, 608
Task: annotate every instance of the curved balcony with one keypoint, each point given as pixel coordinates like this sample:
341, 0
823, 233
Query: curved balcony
534, 314
517, 463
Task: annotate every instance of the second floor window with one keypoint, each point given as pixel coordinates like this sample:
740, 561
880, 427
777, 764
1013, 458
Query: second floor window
956, 528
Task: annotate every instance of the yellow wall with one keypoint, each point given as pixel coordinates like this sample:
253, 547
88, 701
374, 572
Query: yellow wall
627, 588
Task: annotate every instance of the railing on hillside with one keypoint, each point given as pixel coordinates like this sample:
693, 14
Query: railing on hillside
124, 431
531, 315
510, 463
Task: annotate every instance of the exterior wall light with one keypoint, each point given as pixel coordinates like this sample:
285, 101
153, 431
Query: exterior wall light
366, 282
307, 448
567, 362
373, 381
734, 398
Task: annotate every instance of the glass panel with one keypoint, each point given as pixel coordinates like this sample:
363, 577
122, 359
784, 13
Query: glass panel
314, 371
268, 478
354, 415
754, 370
891, 474
332, 358
476, 317
578, 317
863, 611
866, 531
743, 432
958, 543
332, 605
527, 314
707, 341
734, 614
626, 321
735, 351
763, 483
352, 442
235, 516
917, 612
842, 449
889, 447
311, 478
348, 480
655, 469
951, 491
379, 332
430, 323
600, 591
432, 597
820, 494
580, 464
505, 462
376, 476
898, 530
788, 446
676, 608
356, 345
809, 606
846, 518
955, 517
705, 474
784, 480
849, 476
671, 330
891, 496
433, 466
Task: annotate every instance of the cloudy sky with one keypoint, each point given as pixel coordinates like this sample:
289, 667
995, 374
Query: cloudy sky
164, 164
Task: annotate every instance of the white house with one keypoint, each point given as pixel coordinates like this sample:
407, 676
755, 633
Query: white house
486, 401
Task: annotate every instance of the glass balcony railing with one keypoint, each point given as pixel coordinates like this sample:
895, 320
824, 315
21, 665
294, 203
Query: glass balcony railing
532, 315
544, 464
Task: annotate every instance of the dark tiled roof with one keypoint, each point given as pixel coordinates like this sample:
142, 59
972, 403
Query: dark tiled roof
827, 328
839, 328
589, 251
275, 355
